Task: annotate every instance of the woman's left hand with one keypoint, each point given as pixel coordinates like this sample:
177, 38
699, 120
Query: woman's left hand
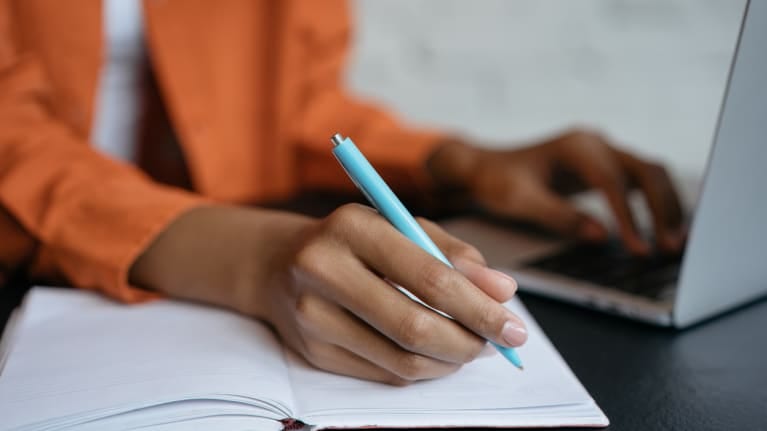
530, 184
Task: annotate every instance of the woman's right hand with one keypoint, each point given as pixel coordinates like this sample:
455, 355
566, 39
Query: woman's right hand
324, 285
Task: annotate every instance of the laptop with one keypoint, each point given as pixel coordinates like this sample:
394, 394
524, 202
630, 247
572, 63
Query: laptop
724, 263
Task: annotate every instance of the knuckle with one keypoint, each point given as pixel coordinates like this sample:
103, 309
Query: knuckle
462, 250
347, 212
396, 380
348, 218
450, 369
415, 329
313, 274
609, 177
411, 366
515, 198
426, 222
488, 183
656, 170
309, 257
315, 353
310, 263
582, 133
585, 138
473, 351
489, 320
304, 310
436, 277
432, 228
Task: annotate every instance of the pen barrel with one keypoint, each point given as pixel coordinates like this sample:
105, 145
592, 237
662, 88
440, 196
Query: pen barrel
370, 183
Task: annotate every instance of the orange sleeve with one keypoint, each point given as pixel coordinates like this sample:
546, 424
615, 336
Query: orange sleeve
92, 216
398, 152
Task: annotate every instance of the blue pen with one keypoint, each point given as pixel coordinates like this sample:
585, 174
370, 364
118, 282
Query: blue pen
386, 202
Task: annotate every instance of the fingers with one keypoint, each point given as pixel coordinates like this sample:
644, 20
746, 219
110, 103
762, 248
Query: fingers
613, 185
470, 262
452, 247
525, 193
451, 292
436, 284
342, 337
592, 158
545, 207
346, 309
337, 360
661, 197
410, 325
611, 170
497, 285
344, 278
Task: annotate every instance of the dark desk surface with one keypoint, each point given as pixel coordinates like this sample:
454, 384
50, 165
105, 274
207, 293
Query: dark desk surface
709, 377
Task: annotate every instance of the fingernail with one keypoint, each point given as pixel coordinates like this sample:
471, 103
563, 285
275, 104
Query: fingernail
513, 333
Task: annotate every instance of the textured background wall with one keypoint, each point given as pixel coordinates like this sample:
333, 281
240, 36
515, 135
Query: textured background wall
650, 73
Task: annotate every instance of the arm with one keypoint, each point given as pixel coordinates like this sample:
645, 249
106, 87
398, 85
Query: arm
323, 285
91, 216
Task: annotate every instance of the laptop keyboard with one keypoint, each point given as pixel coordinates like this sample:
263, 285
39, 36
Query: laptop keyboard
609, 265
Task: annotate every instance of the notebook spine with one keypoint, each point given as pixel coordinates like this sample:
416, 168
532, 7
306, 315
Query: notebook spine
293, 425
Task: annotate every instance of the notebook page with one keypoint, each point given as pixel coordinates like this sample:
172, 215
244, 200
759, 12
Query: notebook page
46, 302
489, 386
204, 415
8, 333
110, 358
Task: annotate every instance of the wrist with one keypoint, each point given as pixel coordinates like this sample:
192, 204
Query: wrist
223, 256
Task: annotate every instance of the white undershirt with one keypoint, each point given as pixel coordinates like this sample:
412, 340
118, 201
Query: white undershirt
118, 101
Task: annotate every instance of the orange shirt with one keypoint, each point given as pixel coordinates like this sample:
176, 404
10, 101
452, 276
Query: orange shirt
254, 91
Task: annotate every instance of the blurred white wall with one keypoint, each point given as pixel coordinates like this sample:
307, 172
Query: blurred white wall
650, 73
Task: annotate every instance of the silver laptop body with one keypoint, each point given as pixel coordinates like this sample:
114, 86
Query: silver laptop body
725, 261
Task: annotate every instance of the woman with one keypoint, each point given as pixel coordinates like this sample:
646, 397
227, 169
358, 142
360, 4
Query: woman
88, 94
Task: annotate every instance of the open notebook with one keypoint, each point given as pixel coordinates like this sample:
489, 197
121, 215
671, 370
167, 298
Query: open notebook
76, 360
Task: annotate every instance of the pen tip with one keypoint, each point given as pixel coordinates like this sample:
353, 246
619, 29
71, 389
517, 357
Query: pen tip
521, 368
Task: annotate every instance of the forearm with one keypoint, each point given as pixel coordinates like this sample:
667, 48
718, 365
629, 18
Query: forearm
219, 255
